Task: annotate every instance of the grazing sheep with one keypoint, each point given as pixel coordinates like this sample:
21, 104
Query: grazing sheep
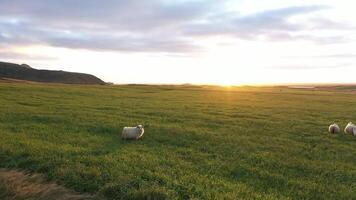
334, 128
132, 133
349, 129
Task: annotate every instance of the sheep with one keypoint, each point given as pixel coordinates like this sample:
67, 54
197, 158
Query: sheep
349, 129
133, 133
334, 128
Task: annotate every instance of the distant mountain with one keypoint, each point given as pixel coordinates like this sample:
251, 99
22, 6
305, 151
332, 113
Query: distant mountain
26, 73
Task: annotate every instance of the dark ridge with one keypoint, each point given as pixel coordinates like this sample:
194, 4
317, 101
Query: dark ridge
25, 72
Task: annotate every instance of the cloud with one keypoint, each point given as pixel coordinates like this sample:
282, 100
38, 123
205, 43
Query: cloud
346, 56
272, 25
317, 23
24, 34
149, 26
118, 25
311, 67
123, 15
22, 56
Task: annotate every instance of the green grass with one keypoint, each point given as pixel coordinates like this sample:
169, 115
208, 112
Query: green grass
199, 142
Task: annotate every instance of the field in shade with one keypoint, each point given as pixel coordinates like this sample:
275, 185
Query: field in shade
200, 142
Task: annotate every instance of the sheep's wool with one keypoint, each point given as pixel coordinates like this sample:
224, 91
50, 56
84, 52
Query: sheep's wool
349, 129
132, 132
334, 128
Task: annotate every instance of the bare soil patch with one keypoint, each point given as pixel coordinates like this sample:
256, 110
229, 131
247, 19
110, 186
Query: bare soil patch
16, 185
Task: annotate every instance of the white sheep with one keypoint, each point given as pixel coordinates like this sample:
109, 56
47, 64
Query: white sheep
132, 132
349, 129
334, 128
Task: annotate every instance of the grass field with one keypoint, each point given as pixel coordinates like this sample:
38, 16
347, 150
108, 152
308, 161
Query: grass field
199, 142
15, 185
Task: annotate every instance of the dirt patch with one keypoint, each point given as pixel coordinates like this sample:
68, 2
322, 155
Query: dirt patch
16, 185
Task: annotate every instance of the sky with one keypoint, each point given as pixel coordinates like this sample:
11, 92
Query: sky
231, 42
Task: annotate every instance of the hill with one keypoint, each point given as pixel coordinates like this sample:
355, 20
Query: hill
26, 73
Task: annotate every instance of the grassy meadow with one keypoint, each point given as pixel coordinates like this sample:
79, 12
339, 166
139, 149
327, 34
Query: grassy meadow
200, 142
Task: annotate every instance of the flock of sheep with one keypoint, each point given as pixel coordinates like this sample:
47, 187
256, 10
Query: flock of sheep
134, 133
349, 129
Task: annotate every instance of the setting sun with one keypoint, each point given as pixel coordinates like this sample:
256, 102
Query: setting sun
225, 43
177, 99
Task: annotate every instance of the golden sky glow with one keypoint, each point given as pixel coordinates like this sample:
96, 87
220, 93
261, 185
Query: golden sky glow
315, 45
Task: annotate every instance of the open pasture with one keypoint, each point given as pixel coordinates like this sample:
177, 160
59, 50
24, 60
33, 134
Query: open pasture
200, 142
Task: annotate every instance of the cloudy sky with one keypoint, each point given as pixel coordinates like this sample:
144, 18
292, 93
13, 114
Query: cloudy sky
229, 42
